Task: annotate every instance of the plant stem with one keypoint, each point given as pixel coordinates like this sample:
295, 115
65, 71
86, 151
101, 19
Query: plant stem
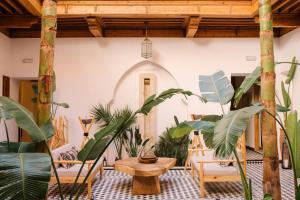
97, 159
247, 190
76, 179
6, 131
55, 172
287, 63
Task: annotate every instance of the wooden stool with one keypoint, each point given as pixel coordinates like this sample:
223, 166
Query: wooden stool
86, 125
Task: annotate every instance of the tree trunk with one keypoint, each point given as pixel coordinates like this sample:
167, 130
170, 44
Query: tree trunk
271, 179
45, 83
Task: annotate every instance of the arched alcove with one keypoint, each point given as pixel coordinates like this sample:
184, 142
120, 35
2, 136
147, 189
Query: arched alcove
126, 92
137, 66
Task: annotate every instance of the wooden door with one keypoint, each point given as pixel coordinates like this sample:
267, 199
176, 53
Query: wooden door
27, 98
6, 86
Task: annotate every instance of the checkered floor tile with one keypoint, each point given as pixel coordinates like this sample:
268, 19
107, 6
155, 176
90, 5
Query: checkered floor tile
253, 155
178, 185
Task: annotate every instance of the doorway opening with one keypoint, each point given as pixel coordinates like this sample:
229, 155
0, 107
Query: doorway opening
253, 133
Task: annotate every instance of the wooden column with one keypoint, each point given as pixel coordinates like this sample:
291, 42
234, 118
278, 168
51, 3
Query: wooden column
271, 180
45, 82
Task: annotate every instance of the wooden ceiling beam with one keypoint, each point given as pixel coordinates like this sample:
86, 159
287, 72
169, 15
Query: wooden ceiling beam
130, 8
32, 6
255, 6
192, 26
15, 6
295, 9
94, 26
17, 21
280, 4
281, 21
287, 7
6, 8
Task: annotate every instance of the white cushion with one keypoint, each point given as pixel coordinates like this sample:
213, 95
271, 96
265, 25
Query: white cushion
73, 171
214, 169
56, 152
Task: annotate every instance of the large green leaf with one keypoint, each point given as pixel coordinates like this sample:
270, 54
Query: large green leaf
216, 88
230, 128
185, 128
180, 130
154, 100
292, 71
24, 175
25, 120
293, 132
4, 115
285, 95
97, 145
280, 108
17, 147
246, 85
208, 133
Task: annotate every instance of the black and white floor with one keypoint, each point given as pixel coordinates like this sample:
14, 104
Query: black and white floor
179, 185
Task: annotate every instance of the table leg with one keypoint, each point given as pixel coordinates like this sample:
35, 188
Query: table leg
145, 185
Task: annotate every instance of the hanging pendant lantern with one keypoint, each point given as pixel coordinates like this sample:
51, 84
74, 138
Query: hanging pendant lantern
146, 50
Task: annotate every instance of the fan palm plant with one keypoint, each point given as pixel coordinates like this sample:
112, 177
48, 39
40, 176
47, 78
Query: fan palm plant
221, 132
104, 116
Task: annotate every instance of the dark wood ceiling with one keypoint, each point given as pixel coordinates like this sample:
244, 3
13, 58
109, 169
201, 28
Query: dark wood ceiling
18, 21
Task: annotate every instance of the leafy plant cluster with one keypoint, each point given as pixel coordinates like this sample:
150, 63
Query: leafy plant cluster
25, 173
168, 146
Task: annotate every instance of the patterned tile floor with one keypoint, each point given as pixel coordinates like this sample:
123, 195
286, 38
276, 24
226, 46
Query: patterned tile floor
178, 185
253, 155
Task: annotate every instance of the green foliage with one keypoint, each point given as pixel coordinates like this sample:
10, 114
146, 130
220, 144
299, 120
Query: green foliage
180, 130
17, 147
280, 108
104, 116
24, 175
102, 113
133, 142
292, 71
230, 128
293, 132
267, 197
246, 85
154, 100
168, 146
25, 120
96, 146
286, 96
216, 88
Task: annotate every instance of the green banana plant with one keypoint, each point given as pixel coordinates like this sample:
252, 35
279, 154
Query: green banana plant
293, 135
32, 182
221, 132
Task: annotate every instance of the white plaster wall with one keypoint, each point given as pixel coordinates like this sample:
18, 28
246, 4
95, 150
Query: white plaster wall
5, 64
88, 69
5, 56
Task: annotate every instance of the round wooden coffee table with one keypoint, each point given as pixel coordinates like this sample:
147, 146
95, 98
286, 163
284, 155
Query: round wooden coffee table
145, 176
